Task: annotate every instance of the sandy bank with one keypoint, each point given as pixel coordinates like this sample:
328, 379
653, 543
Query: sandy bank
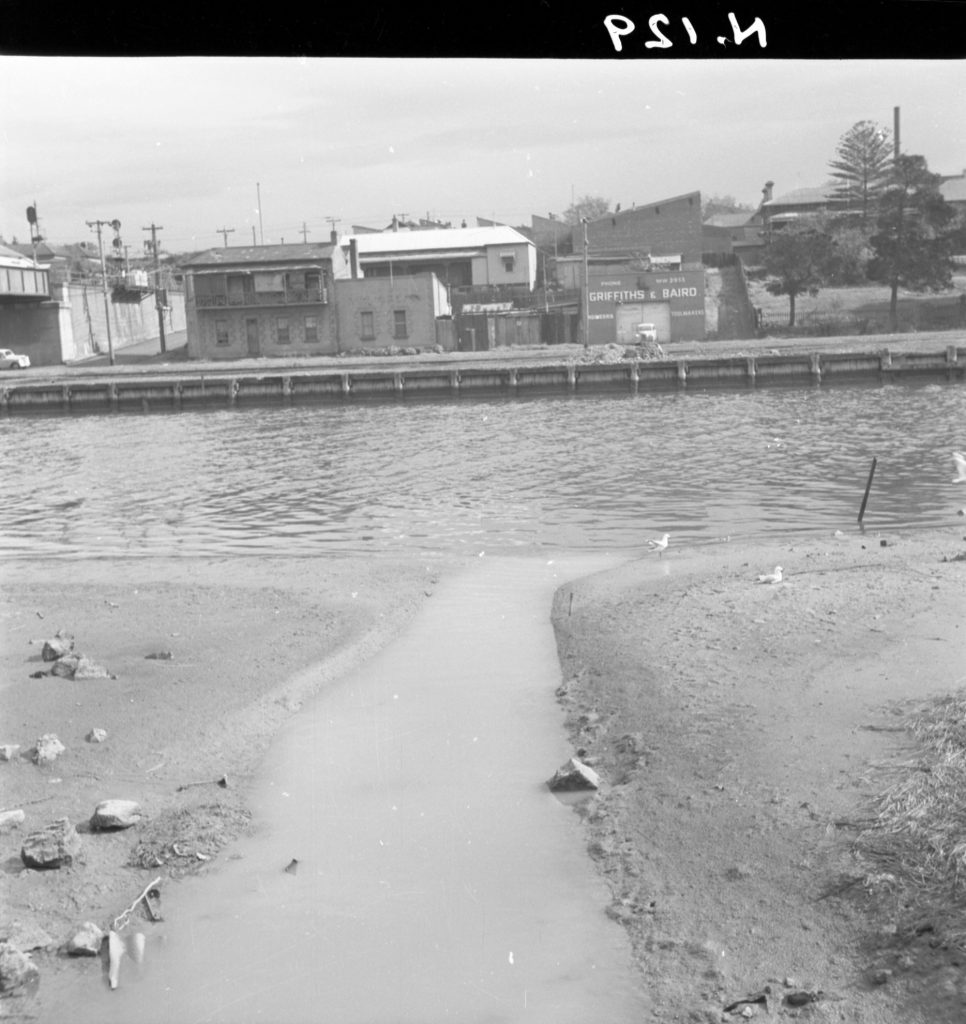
734, 725
249, 641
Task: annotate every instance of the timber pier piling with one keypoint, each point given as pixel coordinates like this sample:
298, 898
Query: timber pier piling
165, 387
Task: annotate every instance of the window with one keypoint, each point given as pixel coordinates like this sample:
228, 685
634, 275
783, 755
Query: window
399, 329
281, 330
311, 330
221, 332
367, 329
509, 261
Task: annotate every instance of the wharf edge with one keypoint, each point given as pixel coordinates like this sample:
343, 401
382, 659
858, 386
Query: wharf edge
164, 389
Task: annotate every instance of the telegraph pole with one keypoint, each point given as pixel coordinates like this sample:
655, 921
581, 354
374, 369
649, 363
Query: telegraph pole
586, 287
261, 233
332, 223
225, 232
97, 225
158, 301
305, 232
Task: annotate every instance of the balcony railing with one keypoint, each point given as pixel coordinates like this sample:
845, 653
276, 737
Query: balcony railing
292, 297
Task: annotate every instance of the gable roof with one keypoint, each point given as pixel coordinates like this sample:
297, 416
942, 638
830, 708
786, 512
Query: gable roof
815, 196
435, 240
257, 254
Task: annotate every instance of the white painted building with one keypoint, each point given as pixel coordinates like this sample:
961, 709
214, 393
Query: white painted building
460, 257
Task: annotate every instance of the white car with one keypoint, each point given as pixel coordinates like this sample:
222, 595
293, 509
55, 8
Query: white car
12, 361
646, 332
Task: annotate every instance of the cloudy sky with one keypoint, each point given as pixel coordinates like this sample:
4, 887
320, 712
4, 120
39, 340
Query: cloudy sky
183, 141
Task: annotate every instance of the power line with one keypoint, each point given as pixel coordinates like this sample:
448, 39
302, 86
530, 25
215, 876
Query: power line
225, 232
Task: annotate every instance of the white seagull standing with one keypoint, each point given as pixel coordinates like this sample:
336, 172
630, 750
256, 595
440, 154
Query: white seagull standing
960, 460
772, 577
660, 546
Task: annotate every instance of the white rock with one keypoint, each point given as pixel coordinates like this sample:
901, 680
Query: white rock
574, 775
97, 736
86, 940
8, 751
49, 748
10, 819
115, 814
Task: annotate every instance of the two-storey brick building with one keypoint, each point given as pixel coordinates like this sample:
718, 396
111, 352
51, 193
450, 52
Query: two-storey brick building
262, 300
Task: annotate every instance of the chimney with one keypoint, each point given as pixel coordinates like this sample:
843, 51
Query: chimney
353, 258
767, 191
395, 223
334, 237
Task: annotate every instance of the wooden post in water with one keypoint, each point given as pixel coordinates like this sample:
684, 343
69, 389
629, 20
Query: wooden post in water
868, 487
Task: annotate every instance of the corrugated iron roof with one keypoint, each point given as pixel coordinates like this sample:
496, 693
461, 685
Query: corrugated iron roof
237, 255
815, 196
436, 240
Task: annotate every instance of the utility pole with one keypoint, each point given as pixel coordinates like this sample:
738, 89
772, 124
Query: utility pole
583, 220
254, 239
332, 223
305, 232
225, 232
97, 225
158, 300
261, 233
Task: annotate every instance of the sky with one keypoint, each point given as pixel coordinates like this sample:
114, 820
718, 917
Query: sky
192, 143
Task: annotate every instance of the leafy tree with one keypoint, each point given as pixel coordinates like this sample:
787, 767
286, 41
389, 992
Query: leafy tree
914, 235
591, 207
849, 255
723, 204
862, 165
796, 261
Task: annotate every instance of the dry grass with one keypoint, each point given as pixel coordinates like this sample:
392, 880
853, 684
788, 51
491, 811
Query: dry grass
916, 849
864, 299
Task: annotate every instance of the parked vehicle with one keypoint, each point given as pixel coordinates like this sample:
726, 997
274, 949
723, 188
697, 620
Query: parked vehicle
646, 332
12, 361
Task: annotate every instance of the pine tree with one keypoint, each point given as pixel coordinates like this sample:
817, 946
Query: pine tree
864, 160
914, 232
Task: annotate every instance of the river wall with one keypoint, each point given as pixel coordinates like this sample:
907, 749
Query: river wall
415, 378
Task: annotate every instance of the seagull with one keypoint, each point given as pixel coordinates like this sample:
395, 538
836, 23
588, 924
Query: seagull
960, 459
772, 577
660, 546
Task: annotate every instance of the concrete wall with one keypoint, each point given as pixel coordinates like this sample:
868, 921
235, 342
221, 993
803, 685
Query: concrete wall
420, 295
36, 330
131, 322
664, 228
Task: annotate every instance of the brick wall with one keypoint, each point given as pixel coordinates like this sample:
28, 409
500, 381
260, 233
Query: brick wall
224, 333
381, 298
664, 228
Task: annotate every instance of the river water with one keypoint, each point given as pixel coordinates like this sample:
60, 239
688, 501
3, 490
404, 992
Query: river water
438, 879
503, 475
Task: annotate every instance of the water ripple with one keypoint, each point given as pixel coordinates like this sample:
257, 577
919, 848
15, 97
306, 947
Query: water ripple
580, 472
